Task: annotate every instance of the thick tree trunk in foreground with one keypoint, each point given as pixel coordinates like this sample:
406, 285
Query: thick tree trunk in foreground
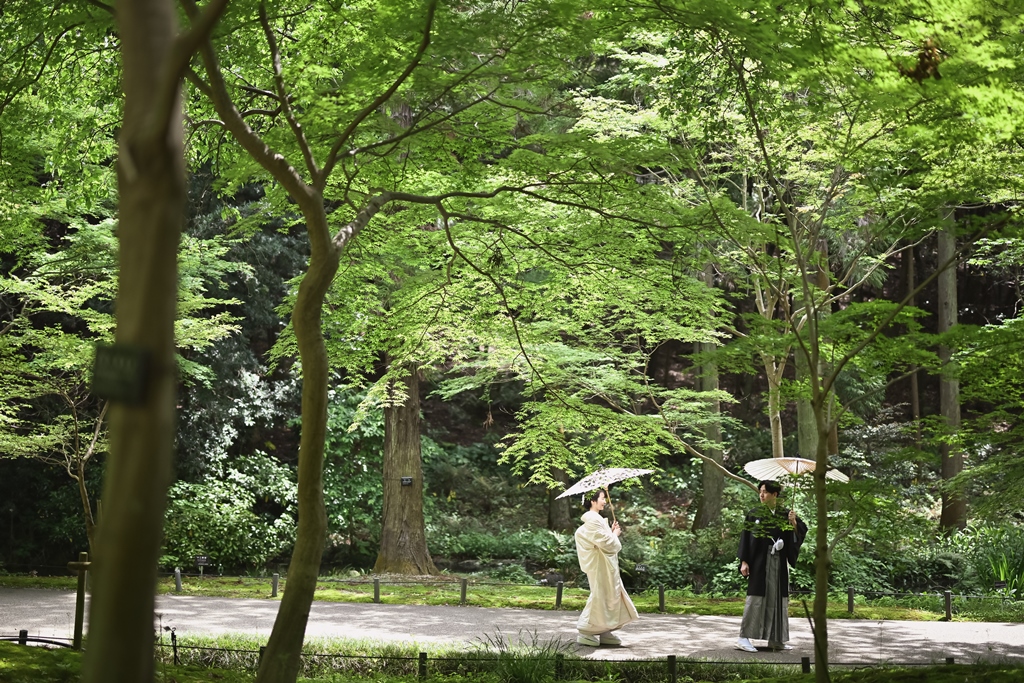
403, 538
151, 182
954, 507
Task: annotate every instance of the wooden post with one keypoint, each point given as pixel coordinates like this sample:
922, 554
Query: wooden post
273, 584
22, 637
177, 579
950, 660
805, 665
672, 670
559, 666
949, 605
661, 598
849, 599
423, 665
82, 566
376, 590
462, 592
558, 595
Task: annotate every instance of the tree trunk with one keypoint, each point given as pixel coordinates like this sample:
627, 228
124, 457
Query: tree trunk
403, 538
709, 507
281, 660
559, 516
910, 279
954, 507
822, 560
806, 425
774, 373
151, 184
90, 523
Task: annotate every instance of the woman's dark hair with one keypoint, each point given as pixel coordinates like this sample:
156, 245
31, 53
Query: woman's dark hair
590, 498
770, 486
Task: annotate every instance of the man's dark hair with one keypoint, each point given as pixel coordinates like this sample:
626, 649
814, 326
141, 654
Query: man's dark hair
770, 486
591, 498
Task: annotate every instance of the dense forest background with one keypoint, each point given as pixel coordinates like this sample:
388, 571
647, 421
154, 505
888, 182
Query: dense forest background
712, 223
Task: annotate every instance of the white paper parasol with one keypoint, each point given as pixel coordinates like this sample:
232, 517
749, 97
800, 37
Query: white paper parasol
600, 480
778, 468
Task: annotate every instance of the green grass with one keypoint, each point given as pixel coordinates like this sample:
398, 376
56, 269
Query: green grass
495, 661
446, 590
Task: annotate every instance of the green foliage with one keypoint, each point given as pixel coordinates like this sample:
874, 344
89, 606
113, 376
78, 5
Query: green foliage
511, 573
241, 520
353, 489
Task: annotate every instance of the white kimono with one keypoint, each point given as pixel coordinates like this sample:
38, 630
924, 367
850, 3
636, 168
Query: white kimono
608, 606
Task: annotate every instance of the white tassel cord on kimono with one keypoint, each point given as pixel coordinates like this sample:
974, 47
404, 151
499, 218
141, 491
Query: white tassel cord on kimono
609, 606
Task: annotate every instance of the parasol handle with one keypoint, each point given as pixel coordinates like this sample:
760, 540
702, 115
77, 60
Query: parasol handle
611, 507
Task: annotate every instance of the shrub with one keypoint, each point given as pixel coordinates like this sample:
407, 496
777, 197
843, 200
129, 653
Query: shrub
216, 518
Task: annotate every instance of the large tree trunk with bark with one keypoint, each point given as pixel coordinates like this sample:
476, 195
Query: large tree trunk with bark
954, 507
403, 538
559, 517
709, 507
806, 424
910, 278
773, 371
151, 183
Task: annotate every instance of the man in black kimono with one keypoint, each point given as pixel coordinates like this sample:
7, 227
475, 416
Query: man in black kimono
770, 542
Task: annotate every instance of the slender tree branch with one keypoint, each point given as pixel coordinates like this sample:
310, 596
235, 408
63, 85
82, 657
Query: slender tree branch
282, 94
332, 157
177, 63
271, 160
102, 5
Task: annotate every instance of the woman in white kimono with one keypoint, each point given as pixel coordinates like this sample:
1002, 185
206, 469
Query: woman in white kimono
608, 607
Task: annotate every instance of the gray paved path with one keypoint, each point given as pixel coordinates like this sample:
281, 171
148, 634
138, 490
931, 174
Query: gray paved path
51, 613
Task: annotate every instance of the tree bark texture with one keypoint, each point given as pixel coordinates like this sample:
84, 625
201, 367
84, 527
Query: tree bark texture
806, 429
709, 507
151, 183
954, 507
403, 539
281, 660
910, 279
822, 559
773, 371
559, 516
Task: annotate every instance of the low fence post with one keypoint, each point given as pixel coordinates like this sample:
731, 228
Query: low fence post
673, 671
559, 666
273, 584
805, 665
177, 579
849, 599
558, 595
950, 660
376, 590
263, 649
174, 647
949, 605
82, 566
661, 598
423, 665
23, 637
462, 592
